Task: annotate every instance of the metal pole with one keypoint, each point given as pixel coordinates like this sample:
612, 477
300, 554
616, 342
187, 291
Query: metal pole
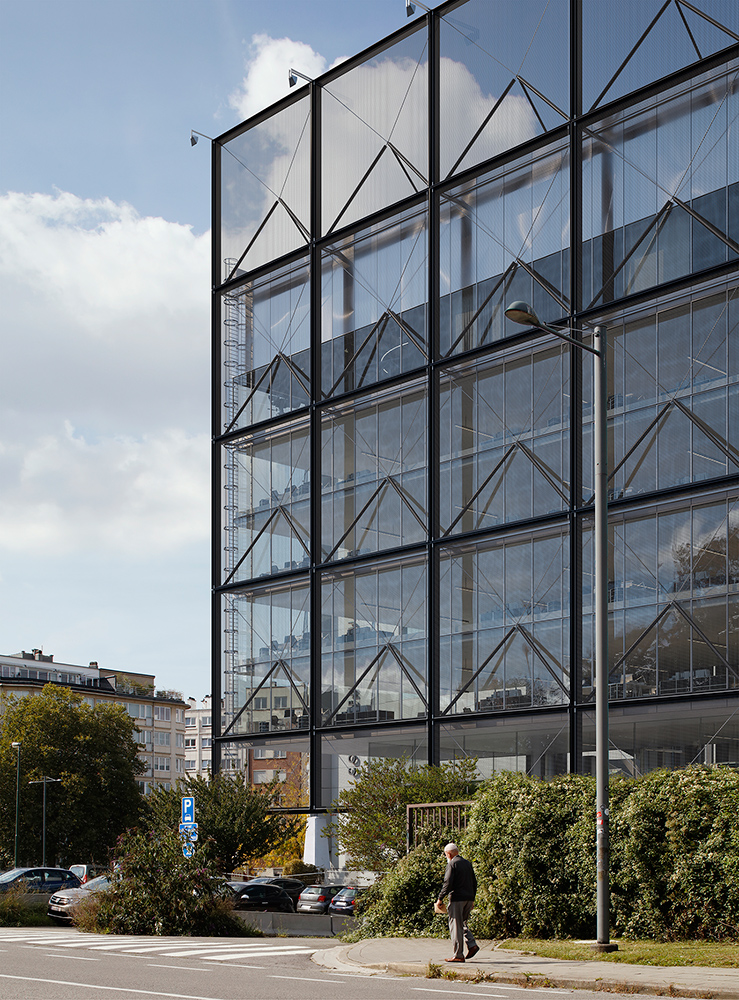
600, 401
43, 835
17, 747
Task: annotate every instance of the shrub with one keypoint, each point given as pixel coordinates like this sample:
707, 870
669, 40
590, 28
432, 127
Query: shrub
16, 911
155, 890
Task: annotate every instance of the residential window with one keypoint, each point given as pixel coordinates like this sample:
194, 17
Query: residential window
179, 715
191, 720
206, 742
190, 742
205, 722
161, 763
205, 765
163, 713
162, 739
179, 739
179, 764
191, 765
137, 711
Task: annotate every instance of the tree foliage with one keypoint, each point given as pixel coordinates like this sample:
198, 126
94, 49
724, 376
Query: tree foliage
155, 890
370, 816
674, 868
235, 821
92, 751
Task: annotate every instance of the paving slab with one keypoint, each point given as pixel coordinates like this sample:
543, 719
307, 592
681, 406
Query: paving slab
411, 956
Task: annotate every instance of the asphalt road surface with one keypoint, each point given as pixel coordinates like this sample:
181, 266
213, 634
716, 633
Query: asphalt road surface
41, 964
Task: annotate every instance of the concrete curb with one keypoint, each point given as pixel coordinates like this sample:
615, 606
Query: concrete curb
655, 985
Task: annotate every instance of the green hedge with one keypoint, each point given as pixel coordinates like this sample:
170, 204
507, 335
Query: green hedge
674, 860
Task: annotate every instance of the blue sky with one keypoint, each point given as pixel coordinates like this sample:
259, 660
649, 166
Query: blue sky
104, 244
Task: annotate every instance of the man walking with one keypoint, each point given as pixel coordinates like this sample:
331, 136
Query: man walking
461, 885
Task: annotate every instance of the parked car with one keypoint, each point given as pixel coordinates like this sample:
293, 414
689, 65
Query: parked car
345, 901
62, 904
292, 886
42, 881
85, 873
264, 897
315, 898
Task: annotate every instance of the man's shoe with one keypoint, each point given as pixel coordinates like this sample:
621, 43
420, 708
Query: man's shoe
454, 960
472, 952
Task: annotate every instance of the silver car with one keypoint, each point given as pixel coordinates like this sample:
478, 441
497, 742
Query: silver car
62, 904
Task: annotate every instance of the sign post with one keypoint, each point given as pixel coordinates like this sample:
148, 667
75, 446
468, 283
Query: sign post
188, 827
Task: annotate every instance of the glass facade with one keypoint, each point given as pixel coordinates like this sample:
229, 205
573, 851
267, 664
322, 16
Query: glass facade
403, 484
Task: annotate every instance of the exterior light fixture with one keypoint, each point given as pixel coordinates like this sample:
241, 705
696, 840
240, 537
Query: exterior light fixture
521, 312
410, 8
194, 137
293, 74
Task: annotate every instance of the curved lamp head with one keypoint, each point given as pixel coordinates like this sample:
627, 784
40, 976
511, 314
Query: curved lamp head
522, 312
292, 78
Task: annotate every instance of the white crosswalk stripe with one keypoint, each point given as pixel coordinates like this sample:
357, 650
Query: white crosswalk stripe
172, 947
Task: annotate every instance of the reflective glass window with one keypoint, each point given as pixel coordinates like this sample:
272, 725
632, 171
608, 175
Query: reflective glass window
659, 186
678, 735
374, 125
630, 46
373, 643
504, 432
502, 77
505, 612
266, 347
504, 237
265, 190
530, 744
267, 503
342, 754
266, 667
285, 761
373, 482
373, 305
673, 394
673, 596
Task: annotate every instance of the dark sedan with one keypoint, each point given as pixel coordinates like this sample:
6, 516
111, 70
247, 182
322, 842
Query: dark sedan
345, 902
264, 897
292, 886
41, 881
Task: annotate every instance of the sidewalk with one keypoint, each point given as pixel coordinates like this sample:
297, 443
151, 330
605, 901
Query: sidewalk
411, 956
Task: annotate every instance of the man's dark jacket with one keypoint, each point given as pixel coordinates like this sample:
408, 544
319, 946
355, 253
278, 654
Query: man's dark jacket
459, 880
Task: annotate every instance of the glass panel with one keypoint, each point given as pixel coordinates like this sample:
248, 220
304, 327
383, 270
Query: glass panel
529, 744
373, 643
491, 102
504, 432
671, 613
657, 189
266, 348
374, 125
343, 754
264, 761
266, 657
267, 504
672, 378
676, 735
265, 190
647, 39
374, 475
504, 236
505, 624
373, 305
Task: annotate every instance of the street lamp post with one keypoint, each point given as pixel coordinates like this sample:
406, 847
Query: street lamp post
521, 312
43, 781
17, 748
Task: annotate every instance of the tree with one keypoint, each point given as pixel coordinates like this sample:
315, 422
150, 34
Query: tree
93, 753
235, 821
370, 815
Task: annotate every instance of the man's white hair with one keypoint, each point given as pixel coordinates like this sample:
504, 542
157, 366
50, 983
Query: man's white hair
451, 849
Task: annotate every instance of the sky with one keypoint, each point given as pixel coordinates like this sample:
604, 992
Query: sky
105, 304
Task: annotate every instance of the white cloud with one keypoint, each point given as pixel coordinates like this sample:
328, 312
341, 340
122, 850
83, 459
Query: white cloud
268, 63
104, 416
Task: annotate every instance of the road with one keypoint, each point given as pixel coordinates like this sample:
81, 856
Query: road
63, 964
